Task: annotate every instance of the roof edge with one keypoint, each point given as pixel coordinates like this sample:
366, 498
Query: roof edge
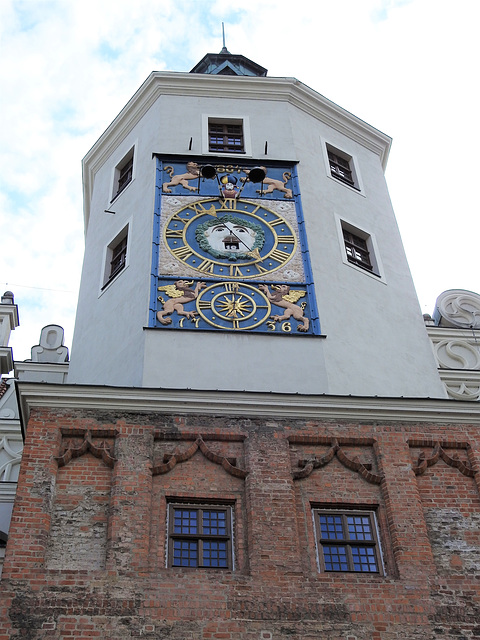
285, 89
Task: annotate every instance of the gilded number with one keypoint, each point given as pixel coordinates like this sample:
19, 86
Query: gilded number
286, 327
183, 253
197, 207
279, 256
174, 233
235, 271
259, 268
177, 218
230, 203
207, 266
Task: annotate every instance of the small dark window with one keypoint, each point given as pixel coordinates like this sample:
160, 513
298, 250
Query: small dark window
347, 541
341, 168
199, 536
225, 138
116, 258
357, 250
125, 174
119, 255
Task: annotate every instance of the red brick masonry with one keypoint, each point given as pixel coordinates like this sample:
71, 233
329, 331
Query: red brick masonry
86, 556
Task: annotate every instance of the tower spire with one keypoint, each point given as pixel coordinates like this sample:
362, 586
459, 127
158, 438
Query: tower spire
224, 48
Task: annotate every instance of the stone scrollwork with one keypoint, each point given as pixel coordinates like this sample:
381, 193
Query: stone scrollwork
459, 308
307, 466
171, 460
10, 458
457, 354
438, 452
102, 450
463, 391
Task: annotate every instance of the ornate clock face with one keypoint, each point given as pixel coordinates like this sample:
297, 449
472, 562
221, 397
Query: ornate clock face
230, 238
231, 305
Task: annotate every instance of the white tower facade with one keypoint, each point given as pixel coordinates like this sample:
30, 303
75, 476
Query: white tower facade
201, 273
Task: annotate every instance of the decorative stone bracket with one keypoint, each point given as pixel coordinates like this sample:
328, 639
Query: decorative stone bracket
307, 466
171, 460
439, 452
69, 450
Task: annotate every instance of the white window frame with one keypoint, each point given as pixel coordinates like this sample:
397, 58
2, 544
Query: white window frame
106, 282
352, 161
214, 118
378, 273
131, 153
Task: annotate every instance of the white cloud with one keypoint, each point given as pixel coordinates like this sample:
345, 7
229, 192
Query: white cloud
407, 67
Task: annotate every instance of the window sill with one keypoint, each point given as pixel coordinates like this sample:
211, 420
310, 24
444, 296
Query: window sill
111, 280
119, 193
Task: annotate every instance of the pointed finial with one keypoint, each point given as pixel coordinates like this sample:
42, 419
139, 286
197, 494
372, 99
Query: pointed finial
224, 48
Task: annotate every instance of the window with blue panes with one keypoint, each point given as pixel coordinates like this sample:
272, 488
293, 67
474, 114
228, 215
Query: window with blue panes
200, 536
347, 541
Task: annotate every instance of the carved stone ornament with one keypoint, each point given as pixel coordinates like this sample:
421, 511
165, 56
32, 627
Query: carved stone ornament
458, 308
438, 452
458, 354
170, 461
307, 466
51, 347
102, 450
463, 390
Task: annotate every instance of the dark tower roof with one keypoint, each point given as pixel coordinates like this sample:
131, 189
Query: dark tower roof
228, 64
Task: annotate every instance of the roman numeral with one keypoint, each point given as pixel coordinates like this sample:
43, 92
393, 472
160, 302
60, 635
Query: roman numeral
259, 268
173, 233
177, 218
230, 203
279, 256
276, 221
197, 207
235, 271
204, 304
231, 286
207, 266
182, 253
286, 239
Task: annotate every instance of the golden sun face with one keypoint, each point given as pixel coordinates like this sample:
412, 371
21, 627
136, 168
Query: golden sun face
234, 307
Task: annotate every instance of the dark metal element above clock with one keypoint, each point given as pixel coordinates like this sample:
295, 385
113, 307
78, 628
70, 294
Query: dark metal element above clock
228, 64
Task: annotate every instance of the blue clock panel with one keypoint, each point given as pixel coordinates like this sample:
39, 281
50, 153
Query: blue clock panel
229, 249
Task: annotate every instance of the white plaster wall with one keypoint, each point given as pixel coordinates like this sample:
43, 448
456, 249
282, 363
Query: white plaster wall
376, 343
376, 340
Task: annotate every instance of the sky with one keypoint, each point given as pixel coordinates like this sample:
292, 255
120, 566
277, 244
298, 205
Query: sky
407, 67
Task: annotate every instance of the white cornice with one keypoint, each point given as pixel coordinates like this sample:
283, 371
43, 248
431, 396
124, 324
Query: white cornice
451, 333
245, 404
239, 88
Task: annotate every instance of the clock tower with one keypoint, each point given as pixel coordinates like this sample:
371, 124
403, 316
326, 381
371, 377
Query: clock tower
253, 441
239, 236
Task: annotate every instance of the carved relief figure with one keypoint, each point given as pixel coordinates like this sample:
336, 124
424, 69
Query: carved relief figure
230, 237
283, 297
276, 185
193, 172
229, 189
180, 293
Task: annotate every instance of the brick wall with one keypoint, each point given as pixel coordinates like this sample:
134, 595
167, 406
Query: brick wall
87, 555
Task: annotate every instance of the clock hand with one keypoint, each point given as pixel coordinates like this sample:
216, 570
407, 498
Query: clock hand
232, 232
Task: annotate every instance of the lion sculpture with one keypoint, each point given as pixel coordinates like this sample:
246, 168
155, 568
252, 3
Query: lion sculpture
193, 173
179, 293
276, 185
283, 297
